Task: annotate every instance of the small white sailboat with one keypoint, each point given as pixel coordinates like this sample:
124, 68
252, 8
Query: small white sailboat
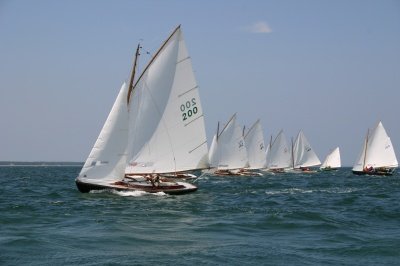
377, 156
332, 160
255, 146
303, 156
279, 155
155, 127
228, 152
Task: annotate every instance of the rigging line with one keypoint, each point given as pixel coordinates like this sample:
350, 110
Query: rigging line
188, 91
251, 128
198, 146
230, 120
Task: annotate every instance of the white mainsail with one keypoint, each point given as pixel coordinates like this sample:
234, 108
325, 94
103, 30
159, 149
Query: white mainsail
107, 159
279, 156
255, 146
166, 122
377, 152
332, 160
228, 150
303, 154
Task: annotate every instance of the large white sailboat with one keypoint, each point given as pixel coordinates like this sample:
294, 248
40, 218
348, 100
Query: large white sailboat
377, 156
332, 160
303, 156
228, 150
156, 127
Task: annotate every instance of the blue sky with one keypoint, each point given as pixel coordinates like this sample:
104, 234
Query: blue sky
331, 68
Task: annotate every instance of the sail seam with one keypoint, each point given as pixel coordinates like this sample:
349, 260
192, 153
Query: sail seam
180, 61
193, 120
180, 95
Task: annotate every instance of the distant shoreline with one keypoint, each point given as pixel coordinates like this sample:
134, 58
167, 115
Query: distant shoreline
38, 163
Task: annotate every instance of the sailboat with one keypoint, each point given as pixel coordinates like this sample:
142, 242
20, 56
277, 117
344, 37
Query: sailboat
255, 146
377, 156
228, 151
303, 156
155, 127
332, 160
279, 155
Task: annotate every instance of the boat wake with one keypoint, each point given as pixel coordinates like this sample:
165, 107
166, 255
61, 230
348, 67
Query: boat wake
301, 191
133, 193
137, 193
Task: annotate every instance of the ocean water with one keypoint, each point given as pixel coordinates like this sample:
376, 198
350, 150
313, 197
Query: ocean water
328, 218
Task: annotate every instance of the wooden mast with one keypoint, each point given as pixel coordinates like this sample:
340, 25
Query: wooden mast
130, 88
365, 150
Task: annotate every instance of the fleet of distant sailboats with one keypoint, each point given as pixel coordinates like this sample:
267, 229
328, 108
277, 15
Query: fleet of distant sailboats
155, 134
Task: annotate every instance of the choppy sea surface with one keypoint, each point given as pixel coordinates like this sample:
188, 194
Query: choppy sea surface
326, 218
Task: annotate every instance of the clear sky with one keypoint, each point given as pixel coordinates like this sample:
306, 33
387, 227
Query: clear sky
331, 68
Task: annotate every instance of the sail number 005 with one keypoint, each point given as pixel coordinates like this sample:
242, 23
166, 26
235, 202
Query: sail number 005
189, 109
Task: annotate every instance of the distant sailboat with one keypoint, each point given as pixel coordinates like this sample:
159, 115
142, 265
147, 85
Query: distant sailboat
156, 126
303, 156
228, 150
332, 160
255, 146
377, 156
279, 155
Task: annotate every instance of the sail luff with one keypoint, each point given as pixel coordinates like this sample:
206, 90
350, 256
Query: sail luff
366, 148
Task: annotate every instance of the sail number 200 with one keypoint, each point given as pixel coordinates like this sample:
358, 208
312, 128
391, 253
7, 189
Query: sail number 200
188, 109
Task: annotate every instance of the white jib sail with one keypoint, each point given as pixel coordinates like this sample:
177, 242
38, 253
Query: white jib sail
332, 160
213, 154
166, 122
107, 159
255, 146
279, 153
380, 152
359, 164
304, 155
